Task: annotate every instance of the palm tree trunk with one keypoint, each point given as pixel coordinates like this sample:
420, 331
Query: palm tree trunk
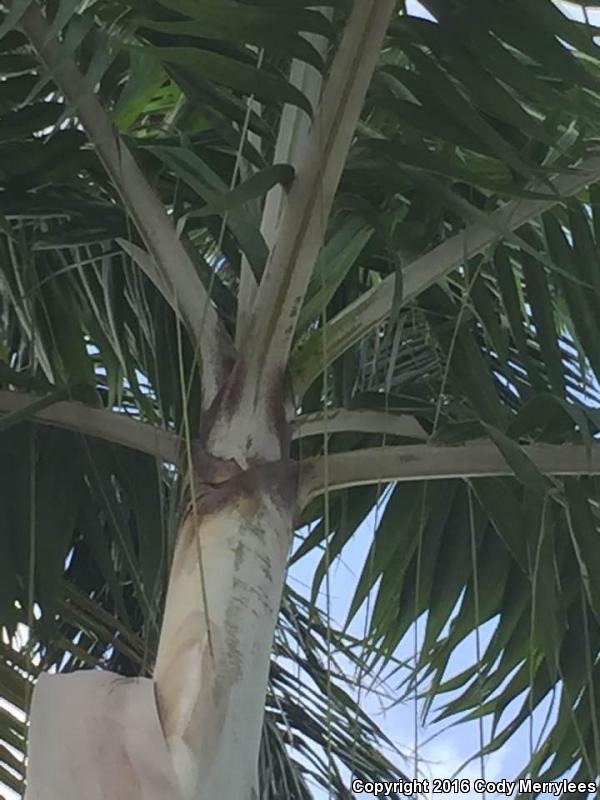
206, 702
222, 603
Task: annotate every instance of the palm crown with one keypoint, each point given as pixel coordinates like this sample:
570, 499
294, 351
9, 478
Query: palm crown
443, 344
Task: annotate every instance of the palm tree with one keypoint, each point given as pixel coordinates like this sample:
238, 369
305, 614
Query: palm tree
262, 268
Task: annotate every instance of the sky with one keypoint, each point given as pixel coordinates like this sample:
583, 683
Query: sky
446, 753
443, 756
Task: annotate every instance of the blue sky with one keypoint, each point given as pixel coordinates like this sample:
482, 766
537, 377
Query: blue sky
445, 754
